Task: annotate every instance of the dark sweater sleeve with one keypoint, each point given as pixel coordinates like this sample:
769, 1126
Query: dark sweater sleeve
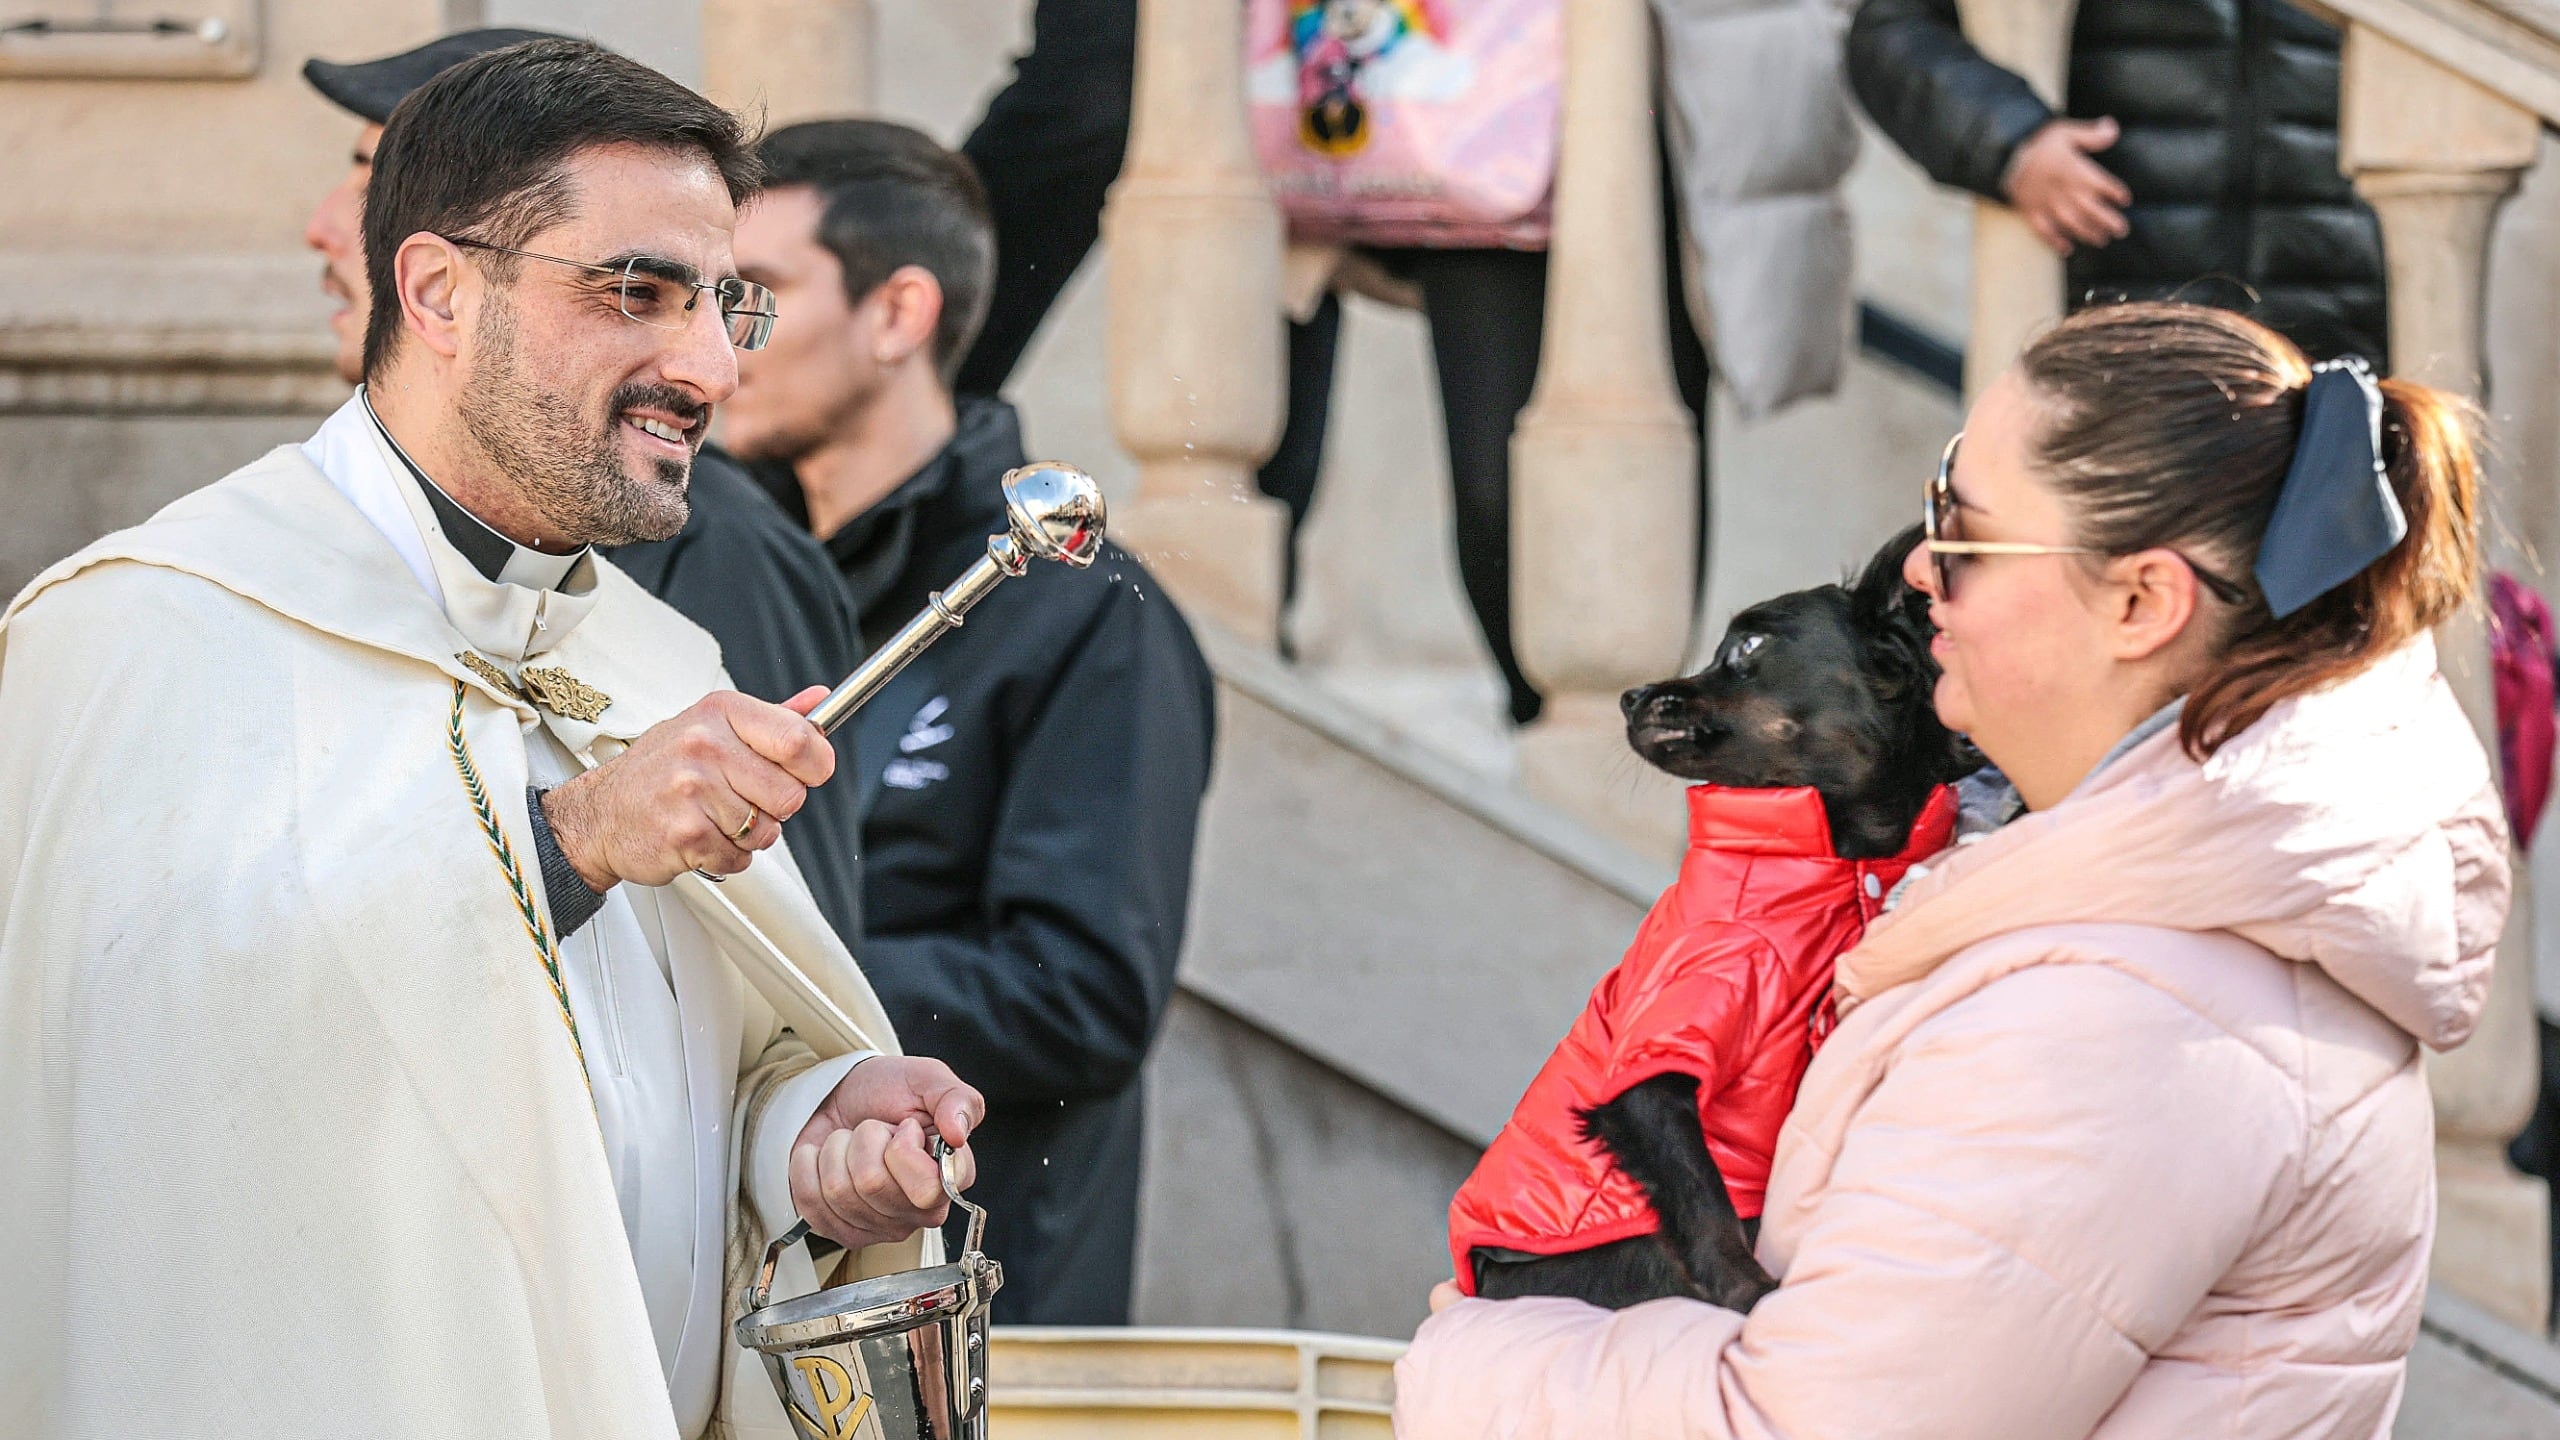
1057, 992
572, 903
1957, 114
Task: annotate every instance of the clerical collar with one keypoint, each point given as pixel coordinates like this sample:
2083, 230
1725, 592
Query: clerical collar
496, 557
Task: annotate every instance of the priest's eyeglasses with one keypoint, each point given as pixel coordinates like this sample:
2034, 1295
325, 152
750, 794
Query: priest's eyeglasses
1939, 509
662, 294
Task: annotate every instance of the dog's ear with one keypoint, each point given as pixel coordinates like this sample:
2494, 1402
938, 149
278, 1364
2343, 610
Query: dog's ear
1894, 618
1880, 598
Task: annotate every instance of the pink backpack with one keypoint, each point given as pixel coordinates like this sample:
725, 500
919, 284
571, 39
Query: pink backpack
1408, 122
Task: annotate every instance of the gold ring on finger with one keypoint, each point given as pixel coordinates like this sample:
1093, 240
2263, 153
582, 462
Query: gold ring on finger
739, 835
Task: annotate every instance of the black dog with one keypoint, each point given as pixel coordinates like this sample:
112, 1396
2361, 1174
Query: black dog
1829, 688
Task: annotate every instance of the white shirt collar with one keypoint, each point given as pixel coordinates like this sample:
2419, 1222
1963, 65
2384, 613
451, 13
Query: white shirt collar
530, 607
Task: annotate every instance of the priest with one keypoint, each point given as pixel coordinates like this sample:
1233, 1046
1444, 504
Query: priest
411, 1016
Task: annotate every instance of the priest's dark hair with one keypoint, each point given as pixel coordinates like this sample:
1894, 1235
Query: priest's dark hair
481, 151
891, 197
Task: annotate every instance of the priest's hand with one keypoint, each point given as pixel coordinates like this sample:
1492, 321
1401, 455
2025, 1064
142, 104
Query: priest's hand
861, 1173
702, 791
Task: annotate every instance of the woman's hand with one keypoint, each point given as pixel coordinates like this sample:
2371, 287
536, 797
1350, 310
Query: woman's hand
1444, 1295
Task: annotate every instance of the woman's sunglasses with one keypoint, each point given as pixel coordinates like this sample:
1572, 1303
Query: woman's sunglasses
1938, 528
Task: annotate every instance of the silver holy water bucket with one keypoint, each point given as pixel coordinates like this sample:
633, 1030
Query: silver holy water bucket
895, 1357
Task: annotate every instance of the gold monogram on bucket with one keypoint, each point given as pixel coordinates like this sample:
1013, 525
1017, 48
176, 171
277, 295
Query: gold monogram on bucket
841, 1403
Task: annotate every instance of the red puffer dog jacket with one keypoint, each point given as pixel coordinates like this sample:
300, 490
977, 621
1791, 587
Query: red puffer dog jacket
1723, 983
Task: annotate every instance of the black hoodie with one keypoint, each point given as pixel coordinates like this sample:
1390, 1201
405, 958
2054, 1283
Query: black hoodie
1030, 787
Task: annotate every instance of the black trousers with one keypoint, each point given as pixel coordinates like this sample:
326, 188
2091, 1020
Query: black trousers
1487, 313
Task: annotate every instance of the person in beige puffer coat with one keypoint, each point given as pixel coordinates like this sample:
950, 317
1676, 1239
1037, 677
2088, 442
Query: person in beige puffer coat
2123, 1131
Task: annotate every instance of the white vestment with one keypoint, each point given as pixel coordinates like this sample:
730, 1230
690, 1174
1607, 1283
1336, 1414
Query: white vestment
296, 1134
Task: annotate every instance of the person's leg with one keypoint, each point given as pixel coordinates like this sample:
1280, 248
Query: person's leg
1289, 476
1048, 149
1487, 310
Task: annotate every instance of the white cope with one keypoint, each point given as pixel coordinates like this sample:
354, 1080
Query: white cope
641, 974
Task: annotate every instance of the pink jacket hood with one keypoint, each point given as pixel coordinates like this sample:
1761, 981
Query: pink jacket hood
2357, 829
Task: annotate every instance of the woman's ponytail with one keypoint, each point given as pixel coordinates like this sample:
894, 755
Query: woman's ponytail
2428, 452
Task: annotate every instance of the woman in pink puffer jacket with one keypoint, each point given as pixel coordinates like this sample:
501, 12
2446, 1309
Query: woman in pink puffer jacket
2123, 1131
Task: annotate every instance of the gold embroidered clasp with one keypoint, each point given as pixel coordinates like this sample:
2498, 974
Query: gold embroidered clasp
480, 665
562, 693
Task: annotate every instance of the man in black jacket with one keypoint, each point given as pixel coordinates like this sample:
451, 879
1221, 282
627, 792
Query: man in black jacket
739, 569
1031, 785
2218, 121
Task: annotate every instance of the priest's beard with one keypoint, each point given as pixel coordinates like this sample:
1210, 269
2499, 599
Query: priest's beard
567, 465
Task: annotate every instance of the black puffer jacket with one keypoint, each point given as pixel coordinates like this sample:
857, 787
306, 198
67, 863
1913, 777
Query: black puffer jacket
2229, 110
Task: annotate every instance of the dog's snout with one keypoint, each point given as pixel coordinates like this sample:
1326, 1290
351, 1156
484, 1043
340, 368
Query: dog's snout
1661, 702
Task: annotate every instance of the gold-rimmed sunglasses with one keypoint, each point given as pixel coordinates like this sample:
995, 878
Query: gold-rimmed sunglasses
662, 294
1938, 520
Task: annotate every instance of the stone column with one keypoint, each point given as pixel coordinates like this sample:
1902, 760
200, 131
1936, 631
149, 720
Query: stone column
1604, 464
2433, 154
788, 60
1195, 337
2017, 279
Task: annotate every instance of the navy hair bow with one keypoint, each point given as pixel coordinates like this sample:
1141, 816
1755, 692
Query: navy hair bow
2335, 514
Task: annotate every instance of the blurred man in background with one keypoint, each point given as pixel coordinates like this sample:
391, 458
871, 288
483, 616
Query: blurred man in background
1031, 785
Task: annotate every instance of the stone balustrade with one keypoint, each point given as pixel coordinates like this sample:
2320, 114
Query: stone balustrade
1196, 339
1604, 463
786, 61
2434, 152
2017, 279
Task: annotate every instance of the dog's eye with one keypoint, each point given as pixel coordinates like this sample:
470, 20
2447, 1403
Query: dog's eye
1739, 652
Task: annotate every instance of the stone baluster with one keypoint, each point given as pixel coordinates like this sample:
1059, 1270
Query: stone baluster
1604, 464
1196, 344
788, 60
2017, 279
2434, 154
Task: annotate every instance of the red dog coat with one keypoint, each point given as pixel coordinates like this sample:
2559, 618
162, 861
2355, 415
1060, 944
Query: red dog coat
1723, 982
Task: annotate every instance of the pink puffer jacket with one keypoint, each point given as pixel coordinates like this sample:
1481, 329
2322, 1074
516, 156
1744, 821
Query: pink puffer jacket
2123, 1133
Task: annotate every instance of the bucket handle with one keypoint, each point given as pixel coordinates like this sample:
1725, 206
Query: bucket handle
943, 1152
762, 1290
